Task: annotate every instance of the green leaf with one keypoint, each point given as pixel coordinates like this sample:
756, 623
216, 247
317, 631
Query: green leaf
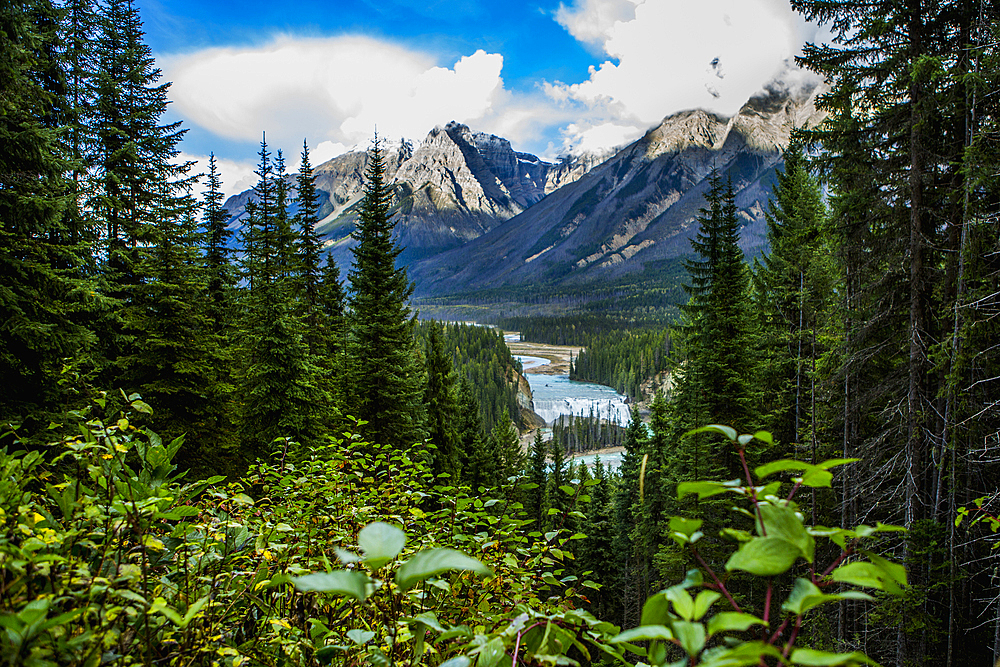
732, 621
692, 578
833, 463
727, 431
432, 562
690, 635
491, 653
550, 580
702, 603
381, 543
685, 531
644, 633
747, 653
805, 595
160, 606
683, 604
360, 637
656, 610
703, 489
860, 574
567, 489
814, 658
779, 466
895, 574
457, 661
342, 582
781, 521
764, 556
429, 619
193, 610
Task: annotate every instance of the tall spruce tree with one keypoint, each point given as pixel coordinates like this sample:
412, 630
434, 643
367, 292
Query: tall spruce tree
903, 111
179, 361
45, 296
560, 503
535, 500
625, 501
308, 246
281, 389
331, 300
385, 372
793, 291
220, 271
441, 405
718, 370
134, 169
478, 467
506, 443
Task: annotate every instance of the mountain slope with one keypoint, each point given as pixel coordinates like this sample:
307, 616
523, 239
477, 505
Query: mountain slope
635, 211
452, 188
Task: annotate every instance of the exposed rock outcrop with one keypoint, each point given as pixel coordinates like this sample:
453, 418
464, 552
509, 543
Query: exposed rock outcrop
636, 211
455, 186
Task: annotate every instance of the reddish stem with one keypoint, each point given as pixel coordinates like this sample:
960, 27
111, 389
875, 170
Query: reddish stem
721, 586
791, 640
844, 554
767, 601
778, 632
753, 490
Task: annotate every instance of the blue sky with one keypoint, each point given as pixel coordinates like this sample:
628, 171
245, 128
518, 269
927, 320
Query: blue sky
551, 77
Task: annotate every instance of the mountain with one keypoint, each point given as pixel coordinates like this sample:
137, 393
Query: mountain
633, 214
452, 188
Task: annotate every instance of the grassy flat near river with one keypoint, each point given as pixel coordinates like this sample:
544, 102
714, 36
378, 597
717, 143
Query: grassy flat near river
558, 355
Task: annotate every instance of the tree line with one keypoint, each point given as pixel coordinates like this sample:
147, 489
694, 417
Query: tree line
122, 278
865, 342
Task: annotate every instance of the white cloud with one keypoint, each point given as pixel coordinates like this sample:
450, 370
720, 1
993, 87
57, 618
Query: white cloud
585, 137
333, 91
665, 56
593, 21
236, 176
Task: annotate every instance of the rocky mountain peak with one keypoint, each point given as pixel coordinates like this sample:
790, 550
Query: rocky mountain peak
766, 121
686, 129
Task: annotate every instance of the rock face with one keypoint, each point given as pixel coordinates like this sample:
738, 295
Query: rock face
452, 188
635, 211
472, 213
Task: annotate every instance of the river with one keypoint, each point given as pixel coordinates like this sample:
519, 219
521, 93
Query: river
554, 394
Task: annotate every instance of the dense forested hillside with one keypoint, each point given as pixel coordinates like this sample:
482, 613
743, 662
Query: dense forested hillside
219, 457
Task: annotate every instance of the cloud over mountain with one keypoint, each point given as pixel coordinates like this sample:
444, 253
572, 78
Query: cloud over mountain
335, 89
669, 55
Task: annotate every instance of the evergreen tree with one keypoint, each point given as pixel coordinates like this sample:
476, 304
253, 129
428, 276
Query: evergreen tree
45, 296
281, 387
793, 287
308, 247
179, 362
220, 271
904, 110
331, 299
479, 469
559, 500
506, 443
625, 502
385, 374
441, 406
133, 153
597, 558
715, 380
536, 497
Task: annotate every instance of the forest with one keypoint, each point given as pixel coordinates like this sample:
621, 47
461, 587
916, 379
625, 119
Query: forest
216, 450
